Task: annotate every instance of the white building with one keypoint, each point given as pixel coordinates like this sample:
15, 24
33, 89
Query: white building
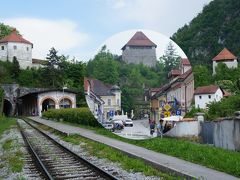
14, 46
226, 57
206, 94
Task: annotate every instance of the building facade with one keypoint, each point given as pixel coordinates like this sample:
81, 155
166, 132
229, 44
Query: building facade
109, 95
94, 102
140, 49
206, 94
178, 93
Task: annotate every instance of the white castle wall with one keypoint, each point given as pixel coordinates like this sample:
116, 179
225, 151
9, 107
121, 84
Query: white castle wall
23, 53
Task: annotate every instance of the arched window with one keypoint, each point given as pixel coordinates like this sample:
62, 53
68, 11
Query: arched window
65, 103
48, 104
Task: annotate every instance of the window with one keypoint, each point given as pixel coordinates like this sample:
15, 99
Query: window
14, 47
109, 102
2, 47
200, 97
27, 48
209, 96
118, 102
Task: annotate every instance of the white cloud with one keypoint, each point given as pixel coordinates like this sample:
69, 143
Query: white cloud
44, 34
119, 4
164, 16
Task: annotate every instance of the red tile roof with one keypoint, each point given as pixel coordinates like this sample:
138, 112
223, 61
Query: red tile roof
14, 37
98, 87
155, 89
206, 89
225, 54
226, 93
175, 72
139, 39
186, 74
185, 62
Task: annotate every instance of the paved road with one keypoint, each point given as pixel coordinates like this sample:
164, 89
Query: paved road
161, 160
140, 130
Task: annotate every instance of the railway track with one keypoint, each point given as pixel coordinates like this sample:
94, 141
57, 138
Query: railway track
55, 161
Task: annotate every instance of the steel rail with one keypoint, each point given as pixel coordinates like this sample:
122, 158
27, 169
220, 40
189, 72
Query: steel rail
86, 162
38, 161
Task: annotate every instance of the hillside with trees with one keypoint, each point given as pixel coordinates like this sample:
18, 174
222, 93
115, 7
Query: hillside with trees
216, 27
132, 78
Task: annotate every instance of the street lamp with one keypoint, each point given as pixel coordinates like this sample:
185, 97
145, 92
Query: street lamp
64, 87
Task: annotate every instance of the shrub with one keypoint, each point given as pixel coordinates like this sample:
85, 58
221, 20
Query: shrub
225, 107
74, 115
193, 111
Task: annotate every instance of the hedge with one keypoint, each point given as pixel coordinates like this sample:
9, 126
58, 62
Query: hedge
74, 115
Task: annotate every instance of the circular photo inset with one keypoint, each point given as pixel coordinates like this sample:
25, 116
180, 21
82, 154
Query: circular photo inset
139, 84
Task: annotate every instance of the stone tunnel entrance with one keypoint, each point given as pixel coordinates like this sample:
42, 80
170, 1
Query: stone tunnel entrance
27, 105
7, 108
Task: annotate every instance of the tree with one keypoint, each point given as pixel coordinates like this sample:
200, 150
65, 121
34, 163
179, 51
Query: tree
4, 30
170, 59
52, 71
15, 68
52, 57
202, 76
104, 67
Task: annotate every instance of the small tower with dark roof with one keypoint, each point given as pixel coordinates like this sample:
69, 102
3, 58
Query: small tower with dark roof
140, 49
14, 46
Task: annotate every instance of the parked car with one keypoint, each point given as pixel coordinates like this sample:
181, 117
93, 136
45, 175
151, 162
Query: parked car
108, 126
117, 124
129, 122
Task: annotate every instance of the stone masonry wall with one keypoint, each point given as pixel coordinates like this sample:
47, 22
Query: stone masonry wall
137, 56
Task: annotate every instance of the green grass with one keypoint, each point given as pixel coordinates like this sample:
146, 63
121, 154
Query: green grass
6, 123
14, 159
126, 162
7, 144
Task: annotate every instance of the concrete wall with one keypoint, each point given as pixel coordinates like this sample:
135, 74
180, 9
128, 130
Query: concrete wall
226, 134
185, 129
135, 55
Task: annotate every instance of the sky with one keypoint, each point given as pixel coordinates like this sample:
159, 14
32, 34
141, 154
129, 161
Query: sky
79, 27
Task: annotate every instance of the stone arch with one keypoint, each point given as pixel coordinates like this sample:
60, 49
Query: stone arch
7, 107
48, 103
65, 102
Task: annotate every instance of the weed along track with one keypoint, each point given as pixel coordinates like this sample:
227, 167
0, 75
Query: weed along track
54, 160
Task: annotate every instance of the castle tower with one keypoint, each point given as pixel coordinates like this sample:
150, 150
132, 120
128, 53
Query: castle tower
226, 57
140, 49
14, 46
